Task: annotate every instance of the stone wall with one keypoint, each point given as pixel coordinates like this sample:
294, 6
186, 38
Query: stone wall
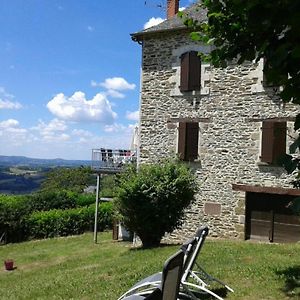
229, 108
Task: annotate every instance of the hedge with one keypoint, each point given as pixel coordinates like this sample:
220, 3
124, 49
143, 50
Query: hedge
51, 200
16, 211
13, 211
85, 199
59, 222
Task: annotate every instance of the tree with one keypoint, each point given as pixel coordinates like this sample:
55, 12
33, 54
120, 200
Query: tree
250, 30
152, 201
73, 179
254, 29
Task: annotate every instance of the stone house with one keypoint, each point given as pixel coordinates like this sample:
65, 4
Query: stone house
226, 124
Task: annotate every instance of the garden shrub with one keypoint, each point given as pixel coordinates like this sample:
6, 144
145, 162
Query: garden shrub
15, 209
56, 222
59, 222
46, 200
85, 199
105, 215
152, 201
71, 179
108, 186
56, 208
13, 212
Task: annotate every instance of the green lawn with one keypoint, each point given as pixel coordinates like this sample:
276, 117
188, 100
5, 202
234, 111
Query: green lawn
76, 268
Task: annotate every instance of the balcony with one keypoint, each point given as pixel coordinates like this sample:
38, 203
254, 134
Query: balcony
111, 161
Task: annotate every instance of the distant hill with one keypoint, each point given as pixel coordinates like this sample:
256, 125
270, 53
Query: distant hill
22, 175
35, 162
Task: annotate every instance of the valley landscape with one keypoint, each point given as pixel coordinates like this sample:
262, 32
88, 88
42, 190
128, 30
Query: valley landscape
23, 175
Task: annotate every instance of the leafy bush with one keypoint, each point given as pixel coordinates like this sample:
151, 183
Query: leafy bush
57, 222
85, 199
55, 213
105, 215
108, 186
152, 200
13, 212
15, 209
46, 200
73, 179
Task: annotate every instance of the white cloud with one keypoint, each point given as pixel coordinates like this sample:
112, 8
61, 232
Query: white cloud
4, 93
6, 100
78, 109
182, 8
57, 138
12, 134
120, 128
11, 126
53, 126
113, 86
152, 22
116, 83
6, 104
81, 133
114, 128
133, 115
55, 130
91, 28
9, 123
114, 94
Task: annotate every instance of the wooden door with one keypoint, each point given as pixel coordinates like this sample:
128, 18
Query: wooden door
269, 218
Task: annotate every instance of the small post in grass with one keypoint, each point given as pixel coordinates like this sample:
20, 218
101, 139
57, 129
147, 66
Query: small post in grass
96, 208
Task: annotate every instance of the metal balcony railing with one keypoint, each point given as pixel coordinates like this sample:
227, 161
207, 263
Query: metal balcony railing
111, 161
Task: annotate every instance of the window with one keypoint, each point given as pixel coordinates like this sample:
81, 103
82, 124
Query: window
190, 74
273, 140
188, 136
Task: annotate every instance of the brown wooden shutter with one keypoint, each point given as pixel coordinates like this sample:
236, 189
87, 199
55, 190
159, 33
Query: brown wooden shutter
279, 140
182, 140
195, 72
267, 142
273, 140
192, 134
188, 141
184, 72
190, 72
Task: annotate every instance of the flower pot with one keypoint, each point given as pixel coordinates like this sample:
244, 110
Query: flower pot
9, 264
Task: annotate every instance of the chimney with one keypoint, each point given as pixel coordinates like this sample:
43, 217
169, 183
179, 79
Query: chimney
172, 8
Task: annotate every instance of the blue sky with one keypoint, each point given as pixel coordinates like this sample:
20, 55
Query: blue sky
70, 74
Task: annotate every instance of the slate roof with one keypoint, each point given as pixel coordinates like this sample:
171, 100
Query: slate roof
174, 23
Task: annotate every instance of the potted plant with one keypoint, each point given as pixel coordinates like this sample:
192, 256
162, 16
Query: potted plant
9, 264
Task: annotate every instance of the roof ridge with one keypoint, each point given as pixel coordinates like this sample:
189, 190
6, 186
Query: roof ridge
173, 23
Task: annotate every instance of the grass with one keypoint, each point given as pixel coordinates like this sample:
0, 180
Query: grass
76, 268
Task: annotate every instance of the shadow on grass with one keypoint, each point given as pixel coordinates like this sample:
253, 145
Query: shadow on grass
222, 292
140, 247
291, 276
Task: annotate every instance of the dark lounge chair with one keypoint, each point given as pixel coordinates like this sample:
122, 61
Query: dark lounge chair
194, 279
170, 281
